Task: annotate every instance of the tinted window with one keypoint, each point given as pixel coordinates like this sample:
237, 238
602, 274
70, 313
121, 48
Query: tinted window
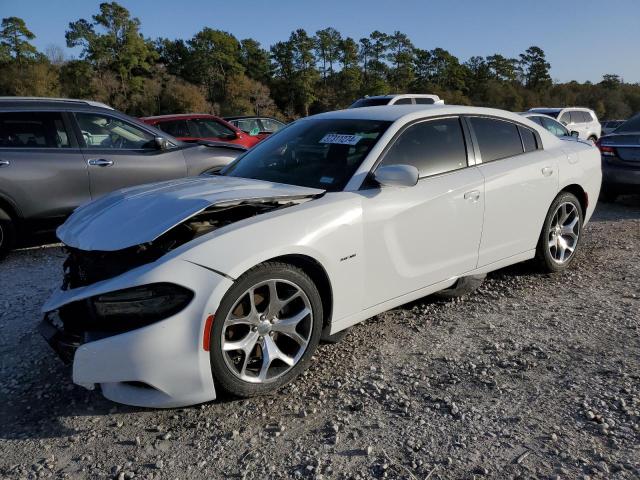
204, 127
528, 139
432, 147
555, 127
537, 120
496, 138
404, 101
565, 118
550, 112
176, 128
370, 102
103, 131
270, 125
33, 130
424, 101
318, 153
631, 125
587, 116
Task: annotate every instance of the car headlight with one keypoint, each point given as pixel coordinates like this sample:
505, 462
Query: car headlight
139, 306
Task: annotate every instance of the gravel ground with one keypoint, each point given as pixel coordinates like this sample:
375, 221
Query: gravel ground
534, 376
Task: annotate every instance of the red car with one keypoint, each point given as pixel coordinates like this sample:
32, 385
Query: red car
195, 127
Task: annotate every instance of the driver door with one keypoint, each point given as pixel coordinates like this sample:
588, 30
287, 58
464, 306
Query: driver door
421, 235
121, 154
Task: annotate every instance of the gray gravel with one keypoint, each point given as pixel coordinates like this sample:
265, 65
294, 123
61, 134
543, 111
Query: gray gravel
534, 376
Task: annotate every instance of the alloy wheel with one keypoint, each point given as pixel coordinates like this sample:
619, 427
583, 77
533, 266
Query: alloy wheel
564, 232
267, 331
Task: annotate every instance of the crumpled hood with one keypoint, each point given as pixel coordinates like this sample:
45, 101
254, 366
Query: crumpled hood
141, 214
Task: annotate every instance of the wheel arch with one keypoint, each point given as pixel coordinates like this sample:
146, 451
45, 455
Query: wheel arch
580, 194
318, 275
8, 208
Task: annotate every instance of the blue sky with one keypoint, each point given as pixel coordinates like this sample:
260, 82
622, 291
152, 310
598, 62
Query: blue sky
583, 39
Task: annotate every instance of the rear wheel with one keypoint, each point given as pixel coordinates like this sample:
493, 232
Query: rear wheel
7, 233
266, 330
560, 234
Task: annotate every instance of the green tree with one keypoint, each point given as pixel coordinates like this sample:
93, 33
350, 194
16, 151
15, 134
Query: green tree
503, 68
327, 48
535, 69
14, 41
255, 60
401, 57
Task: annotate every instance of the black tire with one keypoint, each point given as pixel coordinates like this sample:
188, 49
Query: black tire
543, 254
223, 374
608, 196
593, 139
7, 233
463, 286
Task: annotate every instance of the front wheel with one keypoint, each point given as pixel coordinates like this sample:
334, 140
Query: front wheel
560, 234
266, 329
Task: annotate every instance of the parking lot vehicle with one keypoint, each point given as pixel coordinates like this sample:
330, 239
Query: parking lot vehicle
552, 125
582, 120
176, 290
56, 154
201, 127
398, 99
621, 160
609, 126
258, 126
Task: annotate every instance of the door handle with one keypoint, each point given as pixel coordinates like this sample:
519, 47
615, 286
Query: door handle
4, 163
99, 162
547, 171
473, 195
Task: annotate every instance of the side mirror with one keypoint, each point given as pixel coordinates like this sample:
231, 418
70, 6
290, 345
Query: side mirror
161, 143
396, 175
575, 134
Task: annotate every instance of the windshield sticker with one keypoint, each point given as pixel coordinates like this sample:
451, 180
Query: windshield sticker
326, 180
340, 139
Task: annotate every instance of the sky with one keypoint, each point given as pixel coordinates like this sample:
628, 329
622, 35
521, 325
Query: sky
582, 39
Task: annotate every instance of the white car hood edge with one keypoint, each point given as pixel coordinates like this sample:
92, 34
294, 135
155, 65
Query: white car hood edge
141, 214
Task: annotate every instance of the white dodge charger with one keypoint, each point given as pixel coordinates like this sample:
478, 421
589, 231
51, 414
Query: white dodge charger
175, 290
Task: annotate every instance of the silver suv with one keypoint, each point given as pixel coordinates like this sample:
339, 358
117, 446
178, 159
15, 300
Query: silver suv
56, 154
576, 119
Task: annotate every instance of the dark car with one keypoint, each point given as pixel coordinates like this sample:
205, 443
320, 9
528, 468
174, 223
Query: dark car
56, 154
255, 125
201, 128
620, 152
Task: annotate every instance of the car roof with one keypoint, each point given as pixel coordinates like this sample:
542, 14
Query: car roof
178, 116
49, 102
394, 113
558, 109
243, 117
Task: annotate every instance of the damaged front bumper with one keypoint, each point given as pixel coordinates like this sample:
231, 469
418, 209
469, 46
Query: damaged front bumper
162, 364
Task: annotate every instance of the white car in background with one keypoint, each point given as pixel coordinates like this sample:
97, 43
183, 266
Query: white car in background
398, 99
581, 120
552, 125
176, 290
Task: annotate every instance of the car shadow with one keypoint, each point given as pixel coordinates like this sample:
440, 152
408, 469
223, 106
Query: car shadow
626, 207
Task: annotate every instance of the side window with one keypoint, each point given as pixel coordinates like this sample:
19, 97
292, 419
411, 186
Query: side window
424, 101
175, 128
247, 124
268, 125
528, 139
537, 120
104, 131
33, 130
554, 127
404, 101
565, 118
496, 138
204, 127
434, 146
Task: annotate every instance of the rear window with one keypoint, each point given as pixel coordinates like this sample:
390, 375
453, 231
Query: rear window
404, 101
175, 128
631, 125
370, 102
497, 139
528, 139
33, 130
424, 101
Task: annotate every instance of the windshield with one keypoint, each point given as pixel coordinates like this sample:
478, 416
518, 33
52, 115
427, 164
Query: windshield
551, 113
631, 125
370, 102
316, 153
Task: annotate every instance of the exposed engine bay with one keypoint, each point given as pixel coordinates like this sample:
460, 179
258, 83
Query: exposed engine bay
84, 267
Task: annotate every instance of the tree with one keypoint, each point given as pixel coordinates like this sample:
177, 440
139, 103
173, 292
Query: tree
327, 48
502, 68
610, 81
113, 42
306, 74
535, 69
14, 41
255, 60
401, 57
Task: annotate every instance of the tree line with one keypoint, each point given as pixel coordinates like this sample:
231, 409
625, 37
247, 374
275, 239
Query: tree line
305, 74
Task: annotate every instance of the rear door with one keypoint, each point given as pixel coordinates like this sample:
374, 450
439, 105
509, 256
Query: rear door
521, 181
121, 154
42, 169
